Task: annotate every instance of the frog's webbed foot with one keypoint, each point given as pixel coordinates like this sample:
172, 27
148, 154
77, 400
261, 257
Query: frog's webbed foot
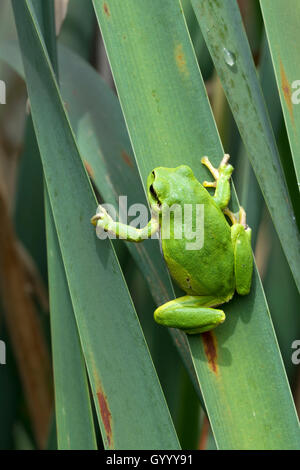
101, 217
216, 171
242, 217
237, 218
221, 175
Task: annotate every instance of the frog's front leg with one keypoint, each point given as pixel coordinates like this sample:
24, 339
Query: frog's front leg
192, 314
222, 176
103, 222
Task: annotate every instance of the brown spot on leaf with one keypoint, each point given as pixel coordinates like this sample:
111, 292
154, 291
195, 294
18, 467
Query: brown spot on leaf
126, 158
181, 60
106, 9
210, 349
89, 169
105, 415
287, 93
204, 434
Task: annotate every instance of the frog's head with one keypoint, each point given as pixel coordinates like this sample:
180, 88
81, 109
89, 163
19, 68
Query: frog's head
168, 185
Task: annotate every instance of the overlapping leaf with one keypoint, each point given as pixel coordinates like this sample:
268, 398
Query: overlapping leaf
111, 338
170, 122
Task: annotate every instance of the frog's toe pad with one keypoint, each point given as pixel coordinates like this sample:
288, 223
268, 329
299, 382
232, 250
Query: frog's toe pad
209, 184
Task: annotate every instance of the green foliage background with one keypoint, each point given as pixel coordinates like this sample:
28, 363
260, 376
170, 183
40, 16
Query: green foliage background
180, 80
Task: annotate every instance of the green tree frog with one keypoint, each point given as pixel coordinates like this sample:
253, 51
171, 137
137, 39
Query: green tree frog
209, 274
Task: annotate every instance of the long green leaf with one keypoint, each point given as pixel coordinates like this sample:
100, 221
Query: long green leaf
119, 366
282, 36
223, 31
170, 123
78, 29
74, 422
245, 181
74, 430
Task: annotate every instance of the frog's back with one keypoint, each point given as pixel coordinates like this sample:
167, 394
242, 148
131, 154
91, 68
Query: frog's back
210, 269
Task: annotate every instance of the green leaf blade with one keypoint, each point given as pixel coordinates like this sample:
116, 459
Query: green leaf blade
113, 345
74, 421
286, 64
170, 123
74, 430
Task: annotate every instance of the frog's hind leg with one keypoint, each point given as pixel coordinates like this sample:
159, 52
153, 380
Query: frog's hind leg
243, 259
222, 176
192, 314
